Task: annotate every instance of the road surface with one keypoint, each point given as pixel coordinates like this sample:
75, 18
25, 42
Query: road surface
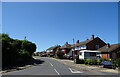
54, 67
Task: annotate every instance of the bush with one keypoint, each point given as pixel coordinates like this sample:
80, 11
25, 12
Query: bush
81, 61
98, 61
14, 50
116, 62
88, 61
93, 61
60, 55
65, 56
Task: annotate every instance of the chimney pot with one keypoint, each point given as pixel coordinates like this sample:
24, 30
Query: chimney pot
77, 42
66, 42
87, 39
108, 45
92, 37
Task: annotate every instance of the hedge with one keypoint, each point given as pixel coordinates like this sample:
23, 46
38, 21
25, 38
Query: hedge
15, 51
91, 61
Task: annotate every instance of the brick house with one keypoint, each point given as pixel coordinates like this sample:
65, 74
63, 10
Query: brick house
51, 50
110, 51
90, 44
65, 48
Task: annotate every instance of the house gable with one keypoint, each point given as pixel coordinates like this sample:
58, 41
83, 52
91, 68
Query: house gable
95, 44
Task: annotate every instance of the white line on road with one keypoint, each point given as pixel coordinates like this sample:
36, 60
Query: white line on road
51, 64
56, 71
74, 71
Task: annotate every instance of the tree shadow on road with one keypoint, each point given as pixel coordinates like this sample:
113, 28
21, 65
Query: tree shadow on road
24, 65
37, 62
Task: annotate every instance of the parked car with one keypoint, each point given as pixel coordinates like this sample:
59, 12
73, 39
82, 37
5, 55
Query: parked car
68, 56
50, 55
43, 55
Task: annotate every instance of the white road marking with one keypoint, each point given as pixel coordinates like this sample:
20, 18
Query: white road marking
34, 58
74, 71
51, 64
57, 72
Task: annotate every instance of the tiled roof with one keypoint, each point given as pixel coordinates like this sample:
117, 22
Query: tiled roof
84, 42
109, 49
53, 47
66, 46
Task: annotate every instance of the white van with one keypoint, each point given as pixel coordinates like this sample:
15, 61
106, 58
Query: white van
84, 54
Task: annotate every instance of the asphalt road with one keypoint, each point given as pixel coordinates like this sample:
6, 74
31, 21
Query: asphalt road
53, 67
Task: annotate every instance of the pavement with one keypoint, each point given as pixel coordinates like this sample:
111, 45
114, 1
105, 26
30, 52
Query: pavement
57, 67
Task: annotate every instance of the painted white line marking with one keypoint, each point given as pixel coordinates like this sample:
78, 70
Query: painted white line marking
34, 58
56, 71
74, 71
51, 64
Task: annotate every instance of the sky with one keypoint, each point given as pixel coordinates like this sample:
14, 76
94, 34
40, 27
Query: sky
53, 23
60, 0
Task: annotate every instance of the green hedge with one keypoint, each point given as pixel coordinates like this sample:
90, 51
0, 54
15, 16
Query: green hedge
90, 61
116, 62
15, 51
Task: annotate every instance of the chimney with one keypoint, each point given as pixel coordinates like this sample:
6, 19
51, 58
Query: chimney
77, 42
87, 39
66, 42
108, 45
92, 37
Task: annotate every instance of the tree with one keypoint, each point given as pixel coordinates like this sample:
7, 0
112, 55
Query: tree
13, 50
58, 53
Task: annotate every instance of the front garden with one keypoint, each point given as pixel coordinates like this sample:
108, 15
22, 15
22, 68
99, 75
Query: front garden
114, 63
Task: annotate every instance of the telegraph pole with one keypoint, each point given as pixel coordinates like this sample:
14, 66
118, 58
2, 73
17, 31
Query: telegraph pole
25, 38
73, 49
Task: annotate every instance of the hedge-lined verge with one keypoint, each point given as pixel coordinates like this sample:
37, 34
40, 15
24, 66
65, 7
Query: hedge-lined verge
15, 51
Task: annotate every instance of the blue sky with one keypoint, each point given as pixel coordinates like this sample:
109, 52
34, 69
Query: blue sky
51, 23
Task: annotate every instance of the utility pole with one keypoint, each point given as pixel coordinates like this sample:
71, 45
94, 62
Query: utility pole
73, 49
25, 38
73, 41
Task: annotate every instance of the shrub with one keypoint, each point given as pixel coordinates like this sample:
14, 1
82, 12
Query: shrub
81, 61
116, 62
94, 61
98, 61
60, 55
13, 49
88, 61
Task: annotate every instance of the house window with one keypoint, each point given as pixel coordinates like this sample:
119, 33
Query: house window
97, 46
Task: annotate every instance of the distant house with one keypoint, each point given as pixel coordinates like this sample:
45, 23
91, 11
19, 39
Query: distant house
110, 51
51, 51
89, 44
65, 48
